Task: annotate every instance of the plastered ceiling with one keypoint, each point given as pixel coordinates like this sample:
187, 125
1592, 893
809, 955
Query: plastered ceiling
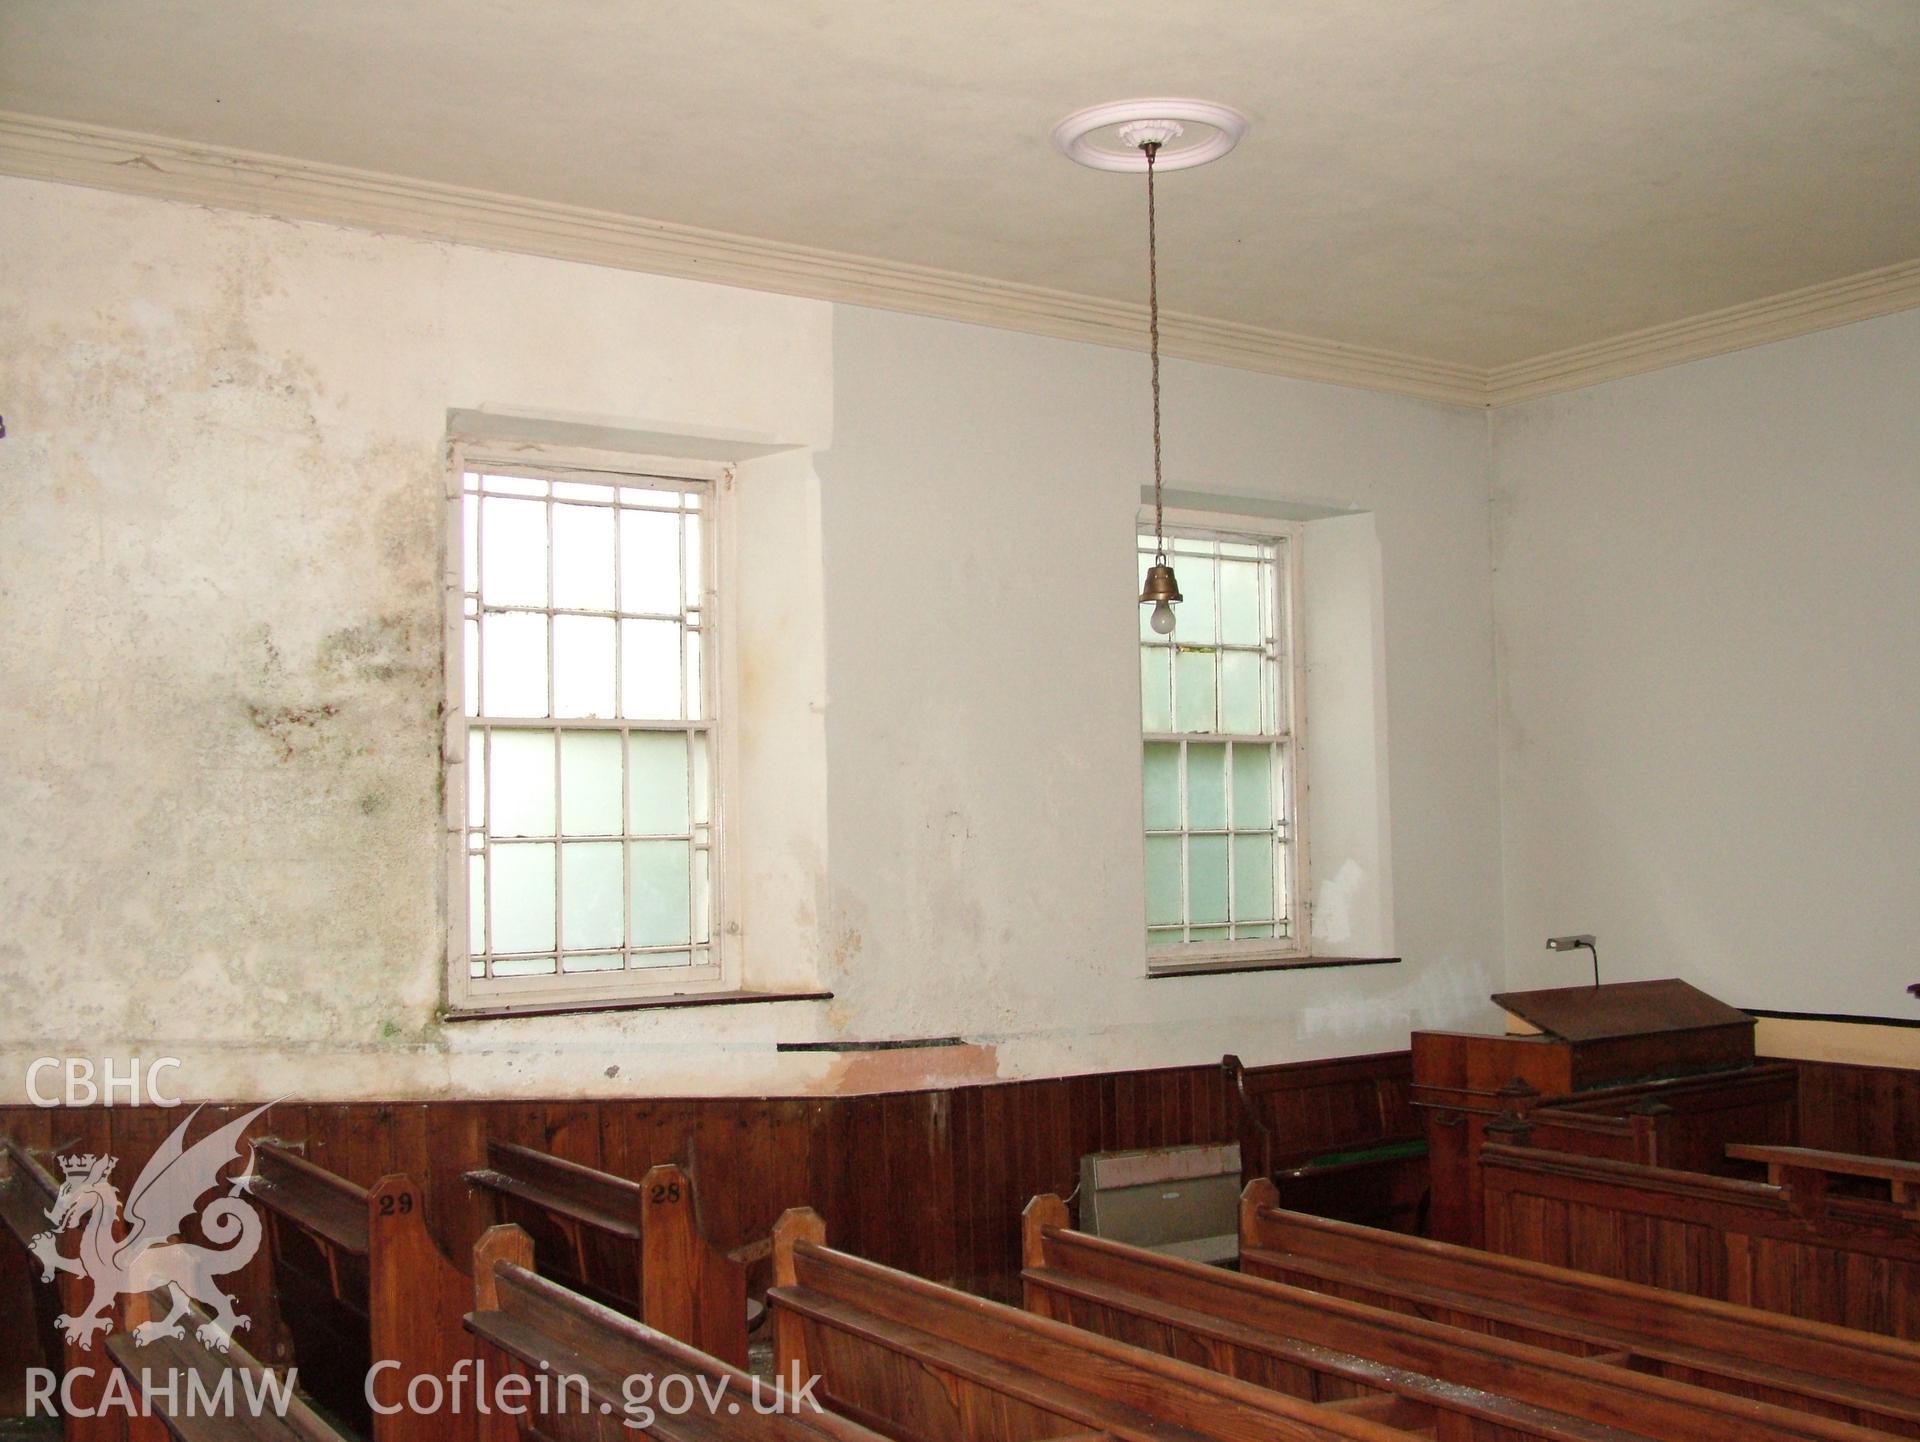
1473, 181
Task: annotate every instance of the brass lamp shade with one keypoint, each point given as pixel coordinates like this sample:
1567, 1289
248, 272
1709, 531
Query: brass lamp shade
1161, 588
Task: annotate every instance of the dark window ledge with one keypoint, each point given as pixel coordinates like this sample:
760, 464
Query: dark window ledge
633, 1003
1291, 963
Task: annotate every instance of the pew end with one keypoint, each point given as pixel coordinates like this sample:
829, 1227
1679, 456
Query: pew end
504, 1243
1045, 1210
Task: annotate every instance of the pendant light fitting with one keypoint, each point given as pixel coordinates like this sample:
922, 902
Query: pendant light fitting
1149, 135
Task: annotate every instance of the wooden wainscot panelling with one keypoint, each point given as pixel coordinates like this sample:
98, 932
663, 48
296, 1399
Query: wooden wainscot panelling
930, 1181
1791, 1248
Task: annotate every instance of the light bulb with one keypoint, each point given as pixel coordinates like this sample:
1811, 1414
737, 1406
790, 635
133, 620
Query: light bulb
1162, 619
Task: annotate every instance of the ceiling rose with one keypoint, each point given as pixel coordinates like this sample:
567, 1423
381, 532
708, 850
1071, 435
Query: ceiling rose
1111, 136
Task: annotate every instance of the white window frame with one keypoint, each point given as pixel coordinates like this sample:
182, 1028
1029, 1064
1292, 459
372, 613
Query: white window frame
1298, 946
563, 991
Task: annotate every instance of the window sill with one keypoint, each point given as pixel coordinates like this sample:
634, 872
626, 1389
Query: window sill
1284, 963
634, 1003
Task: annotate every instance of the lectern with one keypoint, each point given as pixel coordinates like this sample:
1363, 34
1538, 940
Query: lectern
1561, 1043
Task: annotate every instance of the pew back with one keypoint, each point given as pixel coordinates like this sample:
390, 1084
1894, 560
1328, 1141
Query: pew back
907, 1356
585, 1364
1832, 1371
635, 1246
361, 1284
248, 1402
1307, 1343
27, 1191
1838, 1260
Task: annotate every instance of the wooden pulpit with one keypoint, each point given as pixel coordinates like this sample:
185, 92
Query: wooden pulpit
1624, 1039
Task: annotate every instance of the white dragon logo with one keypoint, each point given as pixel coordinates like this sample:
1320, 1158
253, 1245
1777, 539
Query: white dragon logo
149, 1256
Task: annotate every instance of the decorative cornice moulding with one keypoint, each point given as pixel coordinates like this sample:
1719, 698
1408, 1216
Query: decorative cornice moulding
76, 154
1777, 317
303, 190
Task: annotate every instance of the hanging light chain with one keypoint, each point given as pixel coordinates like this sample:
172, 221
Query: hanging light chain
1152, 148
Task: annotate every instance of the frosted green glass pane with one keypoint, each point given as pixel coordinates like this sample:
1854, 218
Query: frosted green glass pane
1253, 788
650, 562
658, 899
655, 960
476, 969
1163, 880
1207, 879
1195, 624
476, 904
470, 664
1208, 933
469, 542
1164, 936
648, 496
520, 801
1253, 933
1240, 693
591, 894
476, 779
657, 783
1240, 603
513, 664
695, 577
1253, 877
590, 783
702, 807
515, 485
592, 961
524, 966
523, 897
583, 558
1156, 688
650, 670
1162, 786
513, 552
1206, 786
702, 897
583, 666
696, 709
1193, 691
1273, 697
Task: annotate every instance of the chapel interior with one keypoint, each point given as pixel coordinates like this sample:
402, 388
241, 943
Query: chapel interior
1029, 722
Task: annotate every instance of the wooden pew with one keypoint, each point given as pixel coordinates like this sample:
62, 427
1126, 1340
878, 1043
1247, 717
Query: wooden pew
907, 1357
1810, 1175
1829, 1259
635, 1246
359, 1282
1686, 1124
27, 1191
250, 1403
1340, 1138
528, 1326
1315, 1346
1811, 1367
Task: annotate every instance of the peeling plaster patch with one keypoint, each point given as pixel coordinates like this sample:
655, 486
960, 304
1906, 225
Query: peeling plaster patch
913, 1069
1333, 902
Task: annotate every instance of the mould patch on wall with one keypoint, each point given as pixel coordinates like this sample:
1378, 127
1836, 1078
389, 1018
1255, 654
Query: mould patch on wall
289, 727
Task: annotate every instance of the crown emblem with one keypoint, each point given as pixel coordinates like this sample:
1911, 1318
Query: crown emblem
80, 1166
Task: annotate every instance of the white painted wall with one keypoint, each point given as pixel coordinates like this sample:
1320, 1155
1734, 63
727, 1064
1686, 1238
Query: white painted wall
983, 732
1709, 640
219, 512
